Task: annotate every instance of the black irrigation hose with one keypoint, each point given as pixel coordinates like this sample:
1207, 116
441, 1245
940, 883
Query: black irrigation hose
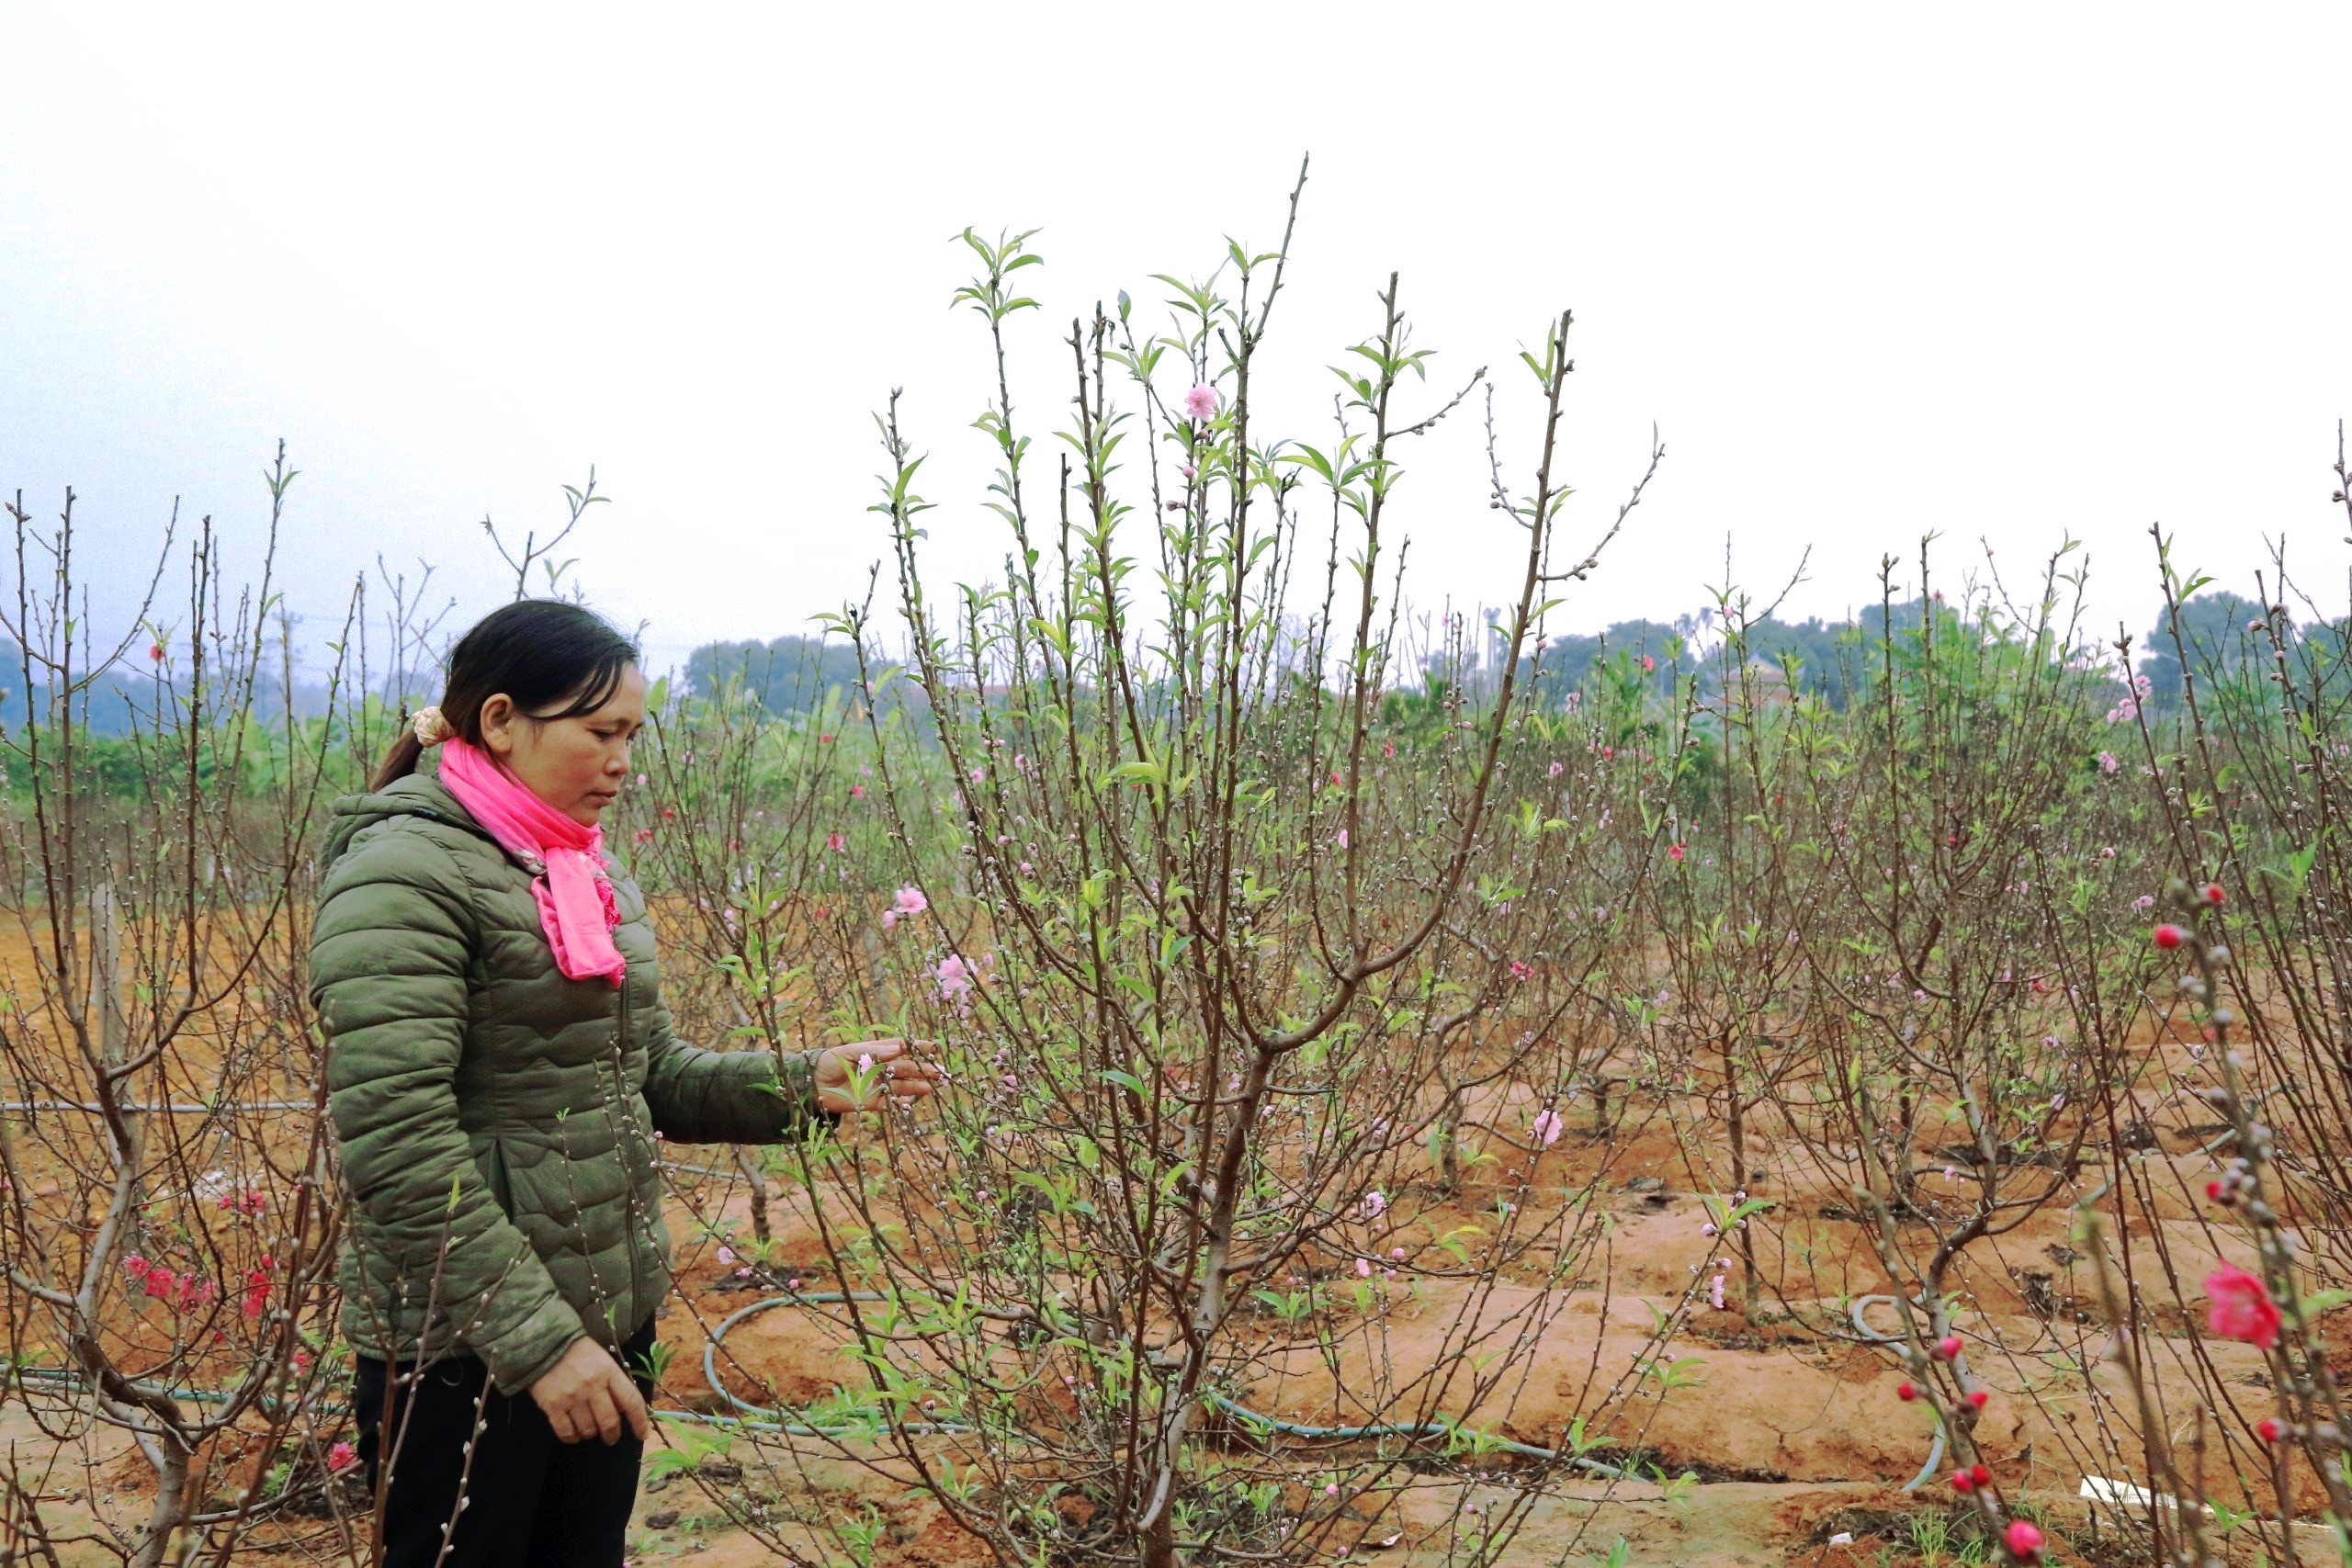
761, 1418
1274, 1423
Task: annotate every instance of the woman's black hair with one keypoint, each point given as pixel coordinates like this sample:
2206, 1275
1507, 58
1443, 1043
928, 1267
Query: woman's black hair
553, 659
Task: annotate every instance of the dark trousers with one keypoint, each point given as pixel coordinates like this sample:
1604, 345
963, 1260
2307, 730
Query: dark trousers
531, 1501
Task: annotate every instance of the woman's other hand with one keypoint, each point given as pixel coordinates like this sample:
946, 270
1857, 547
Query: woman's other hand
896, 1076
586, 1394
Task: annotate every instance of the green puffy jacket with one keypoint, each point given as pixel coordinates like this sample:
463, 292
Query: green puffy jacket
461, 1061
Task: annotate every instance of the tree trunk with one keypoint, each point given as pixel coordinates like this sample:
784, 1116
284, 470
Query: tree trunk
113, 1030
758, 1179
1449, 1143
1738, 1130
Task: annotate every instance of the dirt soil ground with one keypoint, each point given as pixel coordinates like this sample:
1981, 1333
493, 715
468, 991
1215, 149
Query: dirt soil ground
1792, 1437
1789, 1428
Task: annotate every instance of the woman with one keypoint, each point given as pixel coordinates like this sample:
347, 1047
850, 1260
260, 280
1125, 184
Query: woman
498, 1062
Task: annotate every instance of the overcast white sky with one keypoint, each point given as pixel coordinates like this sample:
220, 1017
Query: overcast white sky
2008, 272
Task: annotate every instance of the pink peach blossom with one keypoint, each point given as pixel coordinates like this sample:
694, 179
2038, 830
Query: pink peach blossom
2242, 1307
954, 977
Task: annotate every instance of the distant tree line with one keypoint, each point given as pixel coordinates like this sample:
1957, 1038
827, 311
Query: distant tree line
792, 674
785, 675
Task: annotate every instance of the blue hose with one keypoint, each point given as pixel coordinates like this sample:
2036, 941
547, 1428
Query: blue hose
1935, 1449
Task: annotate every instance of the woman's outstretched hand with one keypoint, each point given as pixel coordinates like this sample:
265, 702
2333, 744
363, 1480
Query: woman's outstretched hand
893, 1076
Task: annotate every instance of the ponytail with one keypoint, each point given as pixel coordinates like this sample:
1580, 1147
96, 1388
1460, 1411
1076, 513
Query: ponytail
399, 758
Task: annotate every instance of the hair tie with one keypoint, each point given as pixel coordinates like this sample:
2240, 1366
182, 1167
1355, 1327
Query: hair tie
430, 728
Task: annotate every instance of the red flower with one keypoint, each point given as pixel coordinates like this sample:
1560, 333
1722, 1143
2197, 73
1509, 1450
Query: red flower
1674, 851
2024, 1539
2269, 1428
2242, 1307
155, 652
1962, 1481
1904, 1392
1979, 1474
1978, 1398
343, 1456
2212, 892
2168, 937
1948, 1347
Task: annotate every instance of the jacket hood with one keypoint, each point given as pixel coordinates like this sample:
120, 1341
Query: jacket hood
420, 793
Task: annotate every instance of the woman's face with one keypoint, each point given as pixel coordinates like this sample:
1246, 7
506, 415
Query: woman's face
574, 765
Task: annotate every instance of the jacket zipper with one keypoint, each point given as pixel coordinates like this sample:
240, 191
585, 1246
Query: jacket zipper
622, 1108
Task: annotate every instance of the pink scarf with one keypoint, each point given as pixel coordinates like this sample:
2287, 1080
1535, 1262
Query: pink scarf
567, 859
